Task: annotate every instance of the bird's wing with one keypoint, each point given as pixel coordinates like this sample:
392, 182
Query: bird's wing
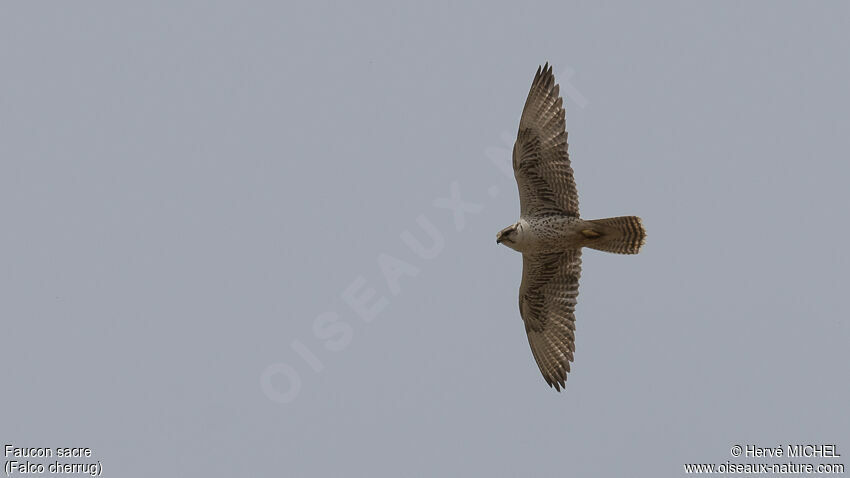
541, 164
547, 300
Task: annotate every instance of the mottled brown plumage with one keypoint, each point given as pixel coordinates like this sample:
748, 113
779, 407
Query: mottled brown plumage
550, 233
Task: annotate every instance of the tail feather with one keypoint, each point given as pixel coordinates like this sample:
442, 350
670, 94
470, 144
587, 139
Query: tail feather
620, 235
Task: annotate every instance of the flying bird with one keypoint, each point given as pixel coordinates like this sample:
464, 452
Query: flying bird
550, 233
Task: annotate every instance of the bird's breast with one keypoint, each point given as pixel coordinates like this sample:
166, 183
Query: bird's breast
555, 233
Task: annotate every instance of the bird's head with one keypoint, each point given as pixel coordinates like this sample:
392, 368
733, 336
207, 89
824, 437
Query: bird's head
509, 236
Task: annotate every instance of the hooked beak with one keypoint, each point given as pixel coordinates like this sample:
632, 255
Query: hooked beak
503, 234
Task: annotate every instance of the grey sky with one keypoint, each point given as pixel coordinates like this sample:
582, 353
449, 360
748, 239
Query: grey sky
187, 189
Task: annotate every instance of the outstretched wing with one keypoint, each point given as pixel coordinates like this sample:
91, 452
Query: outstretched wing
547, 300
541, 164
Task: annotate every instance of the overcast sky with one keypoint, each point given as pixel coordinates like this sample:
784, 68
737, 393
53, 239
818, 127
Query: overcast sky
257, 239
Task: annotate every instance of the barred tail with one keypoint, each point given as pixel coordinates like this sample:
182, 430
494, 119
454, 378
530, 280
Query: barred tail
620, 235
